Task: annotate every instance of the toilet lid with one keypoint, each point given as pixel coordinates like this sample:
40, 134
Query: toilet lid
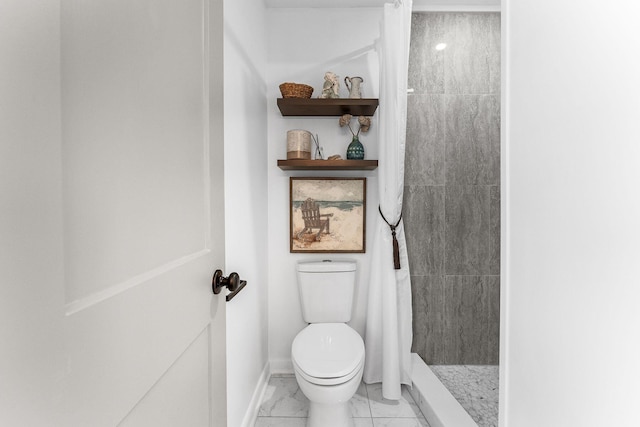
327, 350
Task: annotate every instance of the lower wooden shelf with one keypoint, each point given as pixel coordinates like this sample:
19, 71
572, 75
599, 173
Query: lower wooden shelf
331, 165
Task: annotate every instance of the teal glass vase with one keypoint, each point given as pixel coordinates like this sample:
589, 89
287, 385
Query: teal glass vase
355, 150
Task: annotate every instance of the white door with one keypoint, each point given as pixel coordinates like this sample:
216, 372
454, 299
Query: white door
127, 331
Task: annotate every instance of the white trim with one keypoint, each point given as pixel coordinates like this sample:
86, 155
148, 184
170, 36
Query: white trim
256, 400
505, 220
437, 404
456, 8
206, 123
418, 5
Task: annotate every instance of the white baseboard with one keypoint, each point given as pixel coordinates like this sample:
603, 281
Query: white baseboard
437, 404
281, 367
256, 400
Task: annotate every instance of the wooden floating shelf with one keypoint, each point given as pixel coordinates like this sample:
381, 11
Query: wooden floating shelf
330, 165
327, 107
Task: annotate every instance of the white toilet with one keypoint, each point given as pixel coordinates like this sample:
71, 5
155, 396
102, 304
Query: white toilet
328, 355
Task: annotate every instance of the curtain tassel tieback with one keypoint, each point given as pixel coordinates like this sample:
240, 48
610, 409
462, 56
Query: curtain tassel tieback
396, 249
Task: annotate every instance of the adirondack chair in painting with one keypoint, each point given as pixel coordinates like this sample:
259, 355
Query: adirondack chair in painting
313, 219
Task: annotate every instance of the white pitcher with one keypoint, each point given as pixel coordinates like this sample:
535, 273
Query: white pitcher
353, 85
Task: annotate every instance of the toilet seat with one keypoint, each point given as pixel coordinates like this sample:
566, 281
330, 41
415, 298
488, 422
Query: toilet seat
328, 353
328, 381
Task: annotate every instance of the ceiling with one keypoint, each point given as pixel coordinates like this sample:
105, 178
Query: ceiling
417, 4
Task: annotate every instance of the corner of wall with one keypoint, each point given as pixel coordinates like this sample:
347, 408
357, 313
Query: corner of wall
246, 225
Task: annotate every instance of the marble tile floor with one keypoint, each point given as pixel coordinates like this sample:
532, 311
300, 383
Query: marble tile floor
284, 405
474, 387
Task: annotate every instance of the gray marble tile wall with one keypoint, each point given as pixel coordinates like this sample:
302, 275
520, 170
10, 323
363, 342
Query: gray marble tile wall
452, 186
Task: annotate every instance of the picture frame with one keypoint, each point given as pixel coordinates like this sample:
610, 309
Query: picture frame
327, 215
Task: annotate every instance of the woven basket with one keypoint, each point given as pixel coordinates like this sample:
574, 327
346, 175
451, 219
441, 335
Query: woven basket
295, 90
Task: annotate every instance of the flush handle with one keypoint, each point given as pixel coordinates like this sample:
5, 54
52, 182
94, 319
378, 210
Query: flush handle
232, 282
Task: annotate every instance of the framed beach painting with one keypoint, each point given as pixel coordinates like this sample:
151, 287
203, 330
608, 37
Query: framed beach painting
327, 214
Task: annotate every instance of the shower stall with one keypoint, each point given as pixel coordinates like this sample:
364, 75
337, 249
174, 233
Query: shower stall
452, 203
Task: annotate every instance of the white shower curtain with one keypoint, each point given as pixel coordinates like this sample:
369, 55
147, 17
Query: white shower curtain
389, 331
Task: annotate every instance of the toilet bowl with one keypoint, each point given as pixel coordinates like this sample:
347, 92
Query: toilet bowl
327, 355
328, 361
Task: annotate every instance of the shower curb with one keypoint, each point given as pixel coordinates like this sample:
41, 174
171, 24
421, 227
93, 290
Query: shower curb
437, 404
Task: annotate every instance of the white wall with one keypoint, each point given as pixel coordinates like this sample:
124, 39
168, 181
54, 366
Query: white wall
570, 335
245, 127
304, 44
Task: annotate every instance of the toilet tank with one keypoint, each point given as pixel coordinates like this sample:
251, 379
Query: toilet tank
326, 290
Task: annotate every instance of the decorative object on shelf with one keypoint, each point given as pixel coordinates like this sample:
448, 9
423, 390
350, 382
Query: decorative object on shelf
355, 150
353, 86
331, 86
298, 144
295, 90
335, 157
364, 123
327, 214
319, 152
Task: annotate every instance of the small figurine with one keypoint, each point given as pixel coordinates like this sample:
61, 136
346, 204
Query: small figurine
331, 87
